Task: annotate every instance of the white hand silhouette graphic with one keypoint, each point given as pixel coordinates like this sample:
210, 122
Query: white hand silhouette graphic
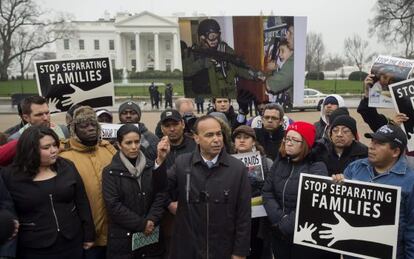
80, 95
52, 105
305, 233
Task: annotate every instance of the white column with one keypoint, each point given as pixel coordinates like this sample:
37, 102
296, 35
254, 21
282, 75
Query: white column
119, 64
156, 52
137, 53
176, 49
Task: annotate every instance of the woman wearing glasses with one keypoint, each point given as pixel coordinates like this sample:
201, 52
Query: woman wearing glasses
281, 190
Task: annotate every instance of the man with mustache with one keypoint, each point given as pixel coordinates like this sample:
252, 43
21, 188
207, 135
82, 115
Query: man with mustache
343, 147
386, 164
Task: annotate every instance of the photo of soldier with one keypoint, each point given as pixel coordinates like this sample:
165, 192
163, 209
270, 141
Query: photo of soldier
211, 68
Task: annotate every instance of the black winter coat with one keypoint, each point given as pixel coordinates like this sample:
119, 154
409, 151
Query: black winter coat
337, 165
270, 140
43, 215
280, 191
129, 206
215, 221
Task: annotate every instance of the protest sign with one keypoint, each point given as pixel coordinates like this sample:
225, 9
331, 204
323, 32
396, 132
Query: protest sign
75, 81
402, 94
387, 70
353, 218
253, 162
243, 57
108, 130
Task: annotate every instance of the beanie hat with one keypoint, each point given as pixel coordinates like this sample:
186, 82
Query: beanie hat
330, 100
338, 112
82, 114
347, 121
130, 105
306, 130
244, 129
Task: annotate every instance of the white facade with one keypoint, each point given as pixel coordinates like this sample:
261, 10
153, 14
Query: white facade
135, 42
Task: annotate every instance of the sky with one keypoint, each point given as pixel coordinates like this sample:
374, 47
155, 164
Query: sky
334, 19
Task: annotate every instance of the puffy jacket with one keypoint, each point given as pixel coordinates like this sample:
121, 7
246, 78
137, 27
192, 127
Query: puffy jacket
90, 161
130, 205
399, 175
280, 191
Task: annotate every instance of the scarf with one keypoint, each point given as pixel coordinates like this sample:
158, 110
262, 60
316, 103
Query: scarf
137, 169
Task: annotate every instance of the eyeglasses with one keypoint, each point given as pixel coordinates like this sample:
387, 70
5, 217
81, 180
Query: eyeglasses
336, 131
291, 140
212, 36
273, 118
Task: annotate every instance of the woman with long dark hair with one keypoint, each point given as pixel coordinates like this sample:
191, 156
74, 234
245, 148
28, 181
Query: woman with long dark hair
50, 200
134, 195
280, 191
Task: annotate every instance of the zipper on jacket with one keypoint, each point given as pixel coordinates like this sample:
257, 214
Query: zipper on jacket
284, 189
54, 212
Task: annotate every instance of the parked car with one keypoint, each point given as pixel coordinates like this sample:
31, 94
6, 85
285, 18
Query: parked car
312, 99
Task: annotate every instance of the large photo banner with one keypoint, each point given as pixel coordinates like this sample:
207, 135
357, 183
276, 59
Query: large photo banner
387, 71
75, 81
352, 218
248, 58
402, 94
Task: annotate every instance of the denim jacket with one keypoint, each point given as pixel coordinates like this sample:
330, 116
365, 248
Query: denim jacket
399, 175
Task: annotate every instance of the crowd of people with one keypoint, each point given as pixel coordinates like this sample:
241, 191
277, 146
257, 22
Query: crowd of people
179, 193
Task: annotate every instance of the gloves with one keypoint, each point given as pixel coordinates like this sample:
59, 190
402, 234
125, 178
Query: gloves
244, 98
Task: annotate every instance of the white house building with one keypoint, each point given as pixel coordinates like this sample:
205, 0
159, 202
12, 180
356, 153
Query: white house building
137, 42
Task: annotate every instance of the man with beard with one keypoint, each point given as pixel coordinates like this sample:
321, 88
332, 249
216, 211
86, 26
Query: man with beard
90, 156
35, 111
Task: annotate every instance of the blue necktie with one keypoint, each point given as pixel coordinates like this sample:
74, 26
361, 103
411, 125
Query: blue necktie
209, 164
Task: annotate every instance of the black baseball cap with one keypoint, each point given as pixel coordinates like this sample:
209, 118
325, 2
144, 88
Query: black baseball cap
170, 115
389, 133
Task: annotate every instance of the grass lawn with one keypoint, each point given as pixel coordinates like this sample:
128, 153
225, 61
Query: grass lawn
326, 86
342, 86
7, 88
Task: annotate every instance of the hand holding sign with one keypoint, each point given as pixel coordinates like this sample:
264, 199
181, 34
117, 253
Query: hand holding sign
305, 233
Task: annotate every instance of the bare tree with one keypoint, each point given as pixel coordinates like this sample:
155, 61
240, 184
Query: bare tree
22, 30
356, 50
394, 23
315, 50
333, 62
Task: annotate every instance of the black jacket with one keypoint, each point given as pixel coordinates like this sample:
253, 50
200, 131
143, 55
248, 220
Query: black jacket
371, 116
130, 206
280, 191
149, 142
320, 127
337, 165
42, 215
187, 146
270, 140
215, 221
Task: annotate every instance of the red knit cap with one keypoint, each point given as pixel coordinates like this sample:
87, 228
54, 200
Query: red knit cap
306, 130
